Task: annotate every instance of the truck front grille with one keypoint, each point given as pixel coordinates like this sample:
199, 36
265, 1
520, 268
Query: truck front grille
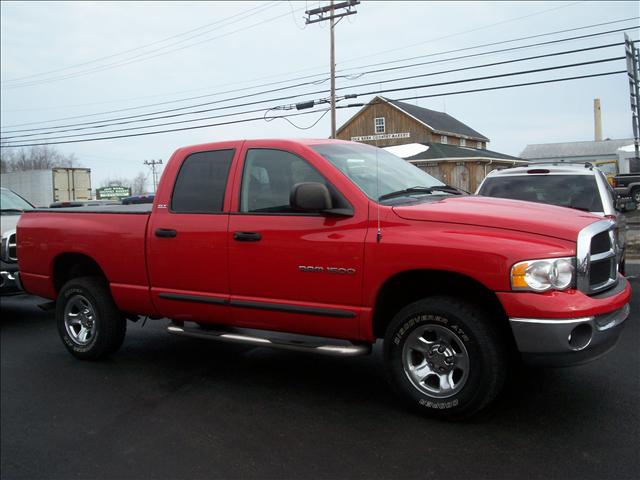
600, 243
596, 258
9, 251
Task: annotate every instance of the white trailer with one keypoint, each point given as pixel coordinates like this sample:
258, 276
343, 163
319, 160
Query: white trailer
627, 162
43, 187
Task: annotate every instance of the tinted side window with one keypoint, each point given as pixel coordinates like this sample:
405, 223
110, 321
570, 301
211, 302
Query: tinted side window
269, 176
201, 182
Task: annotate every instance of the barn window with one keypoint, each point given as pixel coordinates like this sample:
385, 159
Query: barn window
463, 142
379, 124
479, 145
444, 139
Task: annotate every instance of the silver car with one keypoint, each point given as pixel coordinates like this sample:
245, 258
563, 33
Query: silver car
579, 186
11, 207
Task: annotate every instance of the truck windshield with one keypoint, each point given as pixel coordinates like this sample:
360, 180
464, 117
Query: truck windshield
11, 202
573, 191
378, 173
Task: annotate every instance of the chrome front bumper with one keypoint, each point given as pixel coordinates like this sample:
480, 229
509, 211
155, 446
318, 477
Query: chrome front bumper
561, 342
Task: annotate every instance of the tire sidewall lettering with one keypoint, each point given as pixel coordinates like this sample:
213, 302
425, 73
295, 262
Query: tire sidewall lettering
456, 325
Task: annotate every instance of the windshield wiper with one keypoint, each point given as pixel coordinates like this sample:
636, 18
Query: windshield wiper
575, 207
11, 210
418, 189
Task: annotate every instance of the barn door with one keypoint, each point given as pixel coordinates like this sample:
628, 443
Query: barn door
460, 177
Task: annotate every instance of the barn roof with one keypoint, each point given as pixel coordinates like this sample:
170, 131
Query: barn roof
435, 151
440, 122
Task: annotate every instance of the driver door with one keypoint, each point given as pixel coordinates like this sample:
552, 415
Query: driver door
292, 271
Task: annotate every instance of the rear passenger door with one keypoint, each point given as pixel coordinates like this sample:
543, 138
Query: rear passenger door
187, 239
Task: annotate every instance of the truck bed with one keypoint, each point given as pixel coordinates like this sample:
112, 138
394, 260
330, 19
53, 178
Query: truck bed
113, 237
137, 209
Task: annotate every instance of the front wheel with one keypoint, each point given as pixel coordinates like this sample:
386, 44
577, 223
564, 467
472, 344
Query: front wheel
89, 323
445, 357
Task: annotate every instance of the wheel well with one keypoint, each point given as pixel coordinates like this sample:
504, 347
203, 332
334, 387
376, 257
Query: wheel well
73, 265
408, 287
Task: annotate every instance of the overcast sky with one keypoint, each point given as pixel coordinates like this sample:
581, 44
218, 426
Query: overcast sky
102, 52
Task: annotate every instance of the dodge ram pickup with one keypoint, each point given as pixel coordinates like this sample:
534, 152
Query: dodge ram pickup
327, 246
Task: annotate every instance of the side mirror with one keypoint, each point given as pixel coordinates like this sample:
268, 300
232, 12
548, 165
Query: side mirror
310, 197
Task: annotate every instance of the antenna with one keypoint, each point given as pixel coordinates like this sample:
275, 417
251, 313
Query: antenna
375, 114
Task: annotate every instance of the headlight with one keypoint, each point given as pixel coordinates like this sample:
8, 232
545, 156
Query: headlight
543, 275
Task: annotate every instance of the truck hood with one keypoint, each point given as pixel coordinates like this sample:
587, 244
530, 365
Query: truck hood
537, 218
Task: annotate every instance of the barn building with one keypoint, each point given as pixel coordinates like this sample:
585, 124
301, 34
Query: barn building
461, 167
384, 122
434, 141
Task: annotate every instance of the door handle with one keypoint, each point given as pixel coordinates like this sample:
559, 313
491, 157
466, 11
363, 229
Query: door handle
166, 233
247, 236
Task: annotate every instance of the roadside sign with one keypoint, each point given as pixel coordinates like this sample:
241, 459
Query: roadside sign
112, 193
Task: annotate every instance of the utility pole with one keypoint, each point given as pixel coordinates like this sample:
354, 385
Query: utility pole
633, 58
344, 9
152, 164
332, 57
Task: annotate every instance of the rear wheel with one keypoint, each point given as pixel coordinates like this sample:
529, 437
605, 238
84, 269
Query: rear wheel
445, 357
89, 323
635, 194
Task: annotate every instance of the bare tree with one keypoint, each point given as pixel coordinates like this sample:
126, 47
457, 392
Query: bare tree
34, 158
116, 182
139, 184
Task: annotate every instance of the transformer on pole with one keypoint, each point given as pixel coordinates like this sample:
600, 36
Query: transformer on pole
152, 164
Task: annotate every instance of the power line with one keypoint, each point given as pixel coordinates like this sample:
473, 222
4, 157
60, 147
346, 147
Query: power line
136, 59
365, 66
130, 60
120, 100
91, 125
293, 96
104, 121
217, 22
502, 50
490, 77
618, 72
501, 87
99, 123
230, 122
414, 87
502, 22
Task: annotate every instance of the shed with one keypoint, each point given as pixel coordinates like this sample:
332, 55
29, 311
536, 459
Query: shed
461, 167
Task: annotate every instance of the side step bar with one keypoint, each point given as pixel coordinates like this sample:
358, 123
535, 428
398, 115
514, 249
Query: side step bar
230, 337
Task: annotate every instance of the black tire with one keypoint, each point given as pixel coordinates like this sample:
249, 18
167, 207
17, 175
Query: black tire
105, 324
635, 195
433, 332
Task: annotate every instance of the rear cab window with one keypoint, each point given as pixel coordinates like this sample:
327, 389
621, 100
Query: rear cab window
201, 182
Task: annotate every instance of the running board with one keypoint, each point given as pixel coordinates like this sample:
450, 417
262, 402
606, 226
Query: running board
231, 337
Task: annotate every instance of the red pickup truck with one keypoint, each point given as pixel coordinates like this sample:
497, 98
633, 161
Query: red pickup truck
324, 238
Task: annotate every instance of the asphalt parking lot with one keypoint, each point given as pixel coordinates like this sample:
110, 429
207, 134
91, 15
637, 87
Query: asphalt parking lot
169, 407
